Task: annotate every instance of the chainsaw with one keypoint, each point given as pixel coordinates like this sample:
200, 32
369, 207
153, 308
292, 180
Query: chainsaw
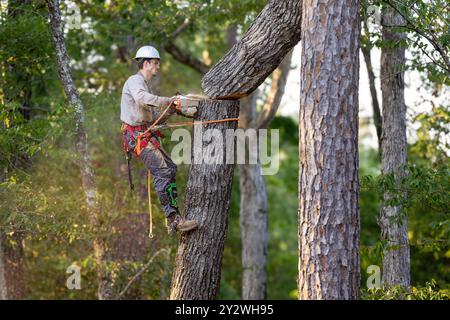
186, 105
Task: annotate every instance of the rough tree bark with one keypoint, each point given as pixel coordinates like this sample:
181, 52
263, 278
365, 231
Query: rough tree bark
199, 256
328, 186
274, 32
394, 225
87, 175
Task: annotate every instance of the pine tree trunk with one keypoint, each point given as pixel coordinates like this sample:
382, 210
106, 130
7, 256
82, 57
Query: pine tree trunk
254, 231
87, 176
328, 185
271, 36
394, 226
208, 197
253, 216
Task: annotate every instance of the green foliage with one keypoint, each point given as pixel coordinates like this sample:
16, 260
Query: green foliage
46, 204
26, 52
432, 143
27, 74
428, 34
21, 139
118, 29
428, 187
424, 195
41, 196
428, 292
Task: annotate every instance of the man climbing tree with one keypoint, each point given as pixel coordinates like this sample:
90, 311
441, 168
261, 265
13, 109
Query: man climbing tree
328, 231
138, 117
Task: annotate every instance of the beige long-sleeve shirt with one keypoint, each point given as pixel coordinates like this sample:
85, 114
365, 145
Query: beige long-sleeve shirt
138, 104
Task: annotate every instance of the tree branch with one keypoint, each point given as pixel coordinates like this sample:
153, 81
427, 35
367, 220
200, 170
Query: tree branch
141, 271
181, 28
185, 58
430, 37
373, 90
274, 32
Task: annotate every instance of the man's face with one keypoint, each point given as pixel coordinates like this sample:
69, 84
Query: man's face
151, 67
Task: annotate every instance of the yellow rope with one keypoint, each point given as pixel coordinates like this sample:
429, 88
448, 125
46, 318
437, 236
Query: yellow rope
150, 235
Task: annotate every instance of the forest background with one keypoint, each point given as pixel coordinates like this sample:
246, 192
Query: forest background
42, 215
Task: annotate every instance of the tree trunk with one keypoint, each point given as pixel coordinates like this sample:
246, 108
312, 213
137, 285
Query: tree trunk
274, 32
87, 176
199, 257
328, 185
396, 264
253, 215
254, 231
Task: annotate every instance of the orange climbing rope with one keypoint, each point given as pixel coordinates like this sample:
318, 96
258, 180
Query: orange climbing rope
173, 125
188, 123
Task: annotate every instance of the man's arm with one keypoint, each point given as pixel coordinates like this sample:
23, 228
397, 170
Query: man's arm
140, 94
154, 112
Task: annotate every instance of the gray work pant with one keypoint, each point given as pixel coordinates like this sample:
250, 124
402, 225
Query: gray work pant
163, 172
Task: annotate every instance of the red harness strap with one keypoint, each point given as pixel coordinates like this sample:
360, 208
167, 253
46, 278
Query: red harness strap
138, 140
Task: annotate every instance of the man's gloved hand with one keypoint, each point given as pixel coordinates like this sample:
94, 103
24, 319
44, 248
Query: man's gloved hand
175, 102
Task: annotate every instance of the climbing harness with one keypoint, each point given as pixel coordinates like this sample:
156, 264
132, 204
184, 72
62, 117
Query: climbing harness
134, 139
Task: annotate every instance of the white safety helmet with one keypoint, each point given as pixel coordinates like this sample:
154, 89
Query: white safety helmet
147, 52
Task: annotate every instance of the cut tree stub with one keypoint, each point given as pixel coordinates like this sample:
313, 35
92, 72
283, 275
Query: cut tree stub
275, 31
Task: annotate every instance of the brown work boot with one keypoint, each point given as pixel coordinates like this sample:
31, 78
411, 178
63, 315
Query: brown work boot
175, 223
